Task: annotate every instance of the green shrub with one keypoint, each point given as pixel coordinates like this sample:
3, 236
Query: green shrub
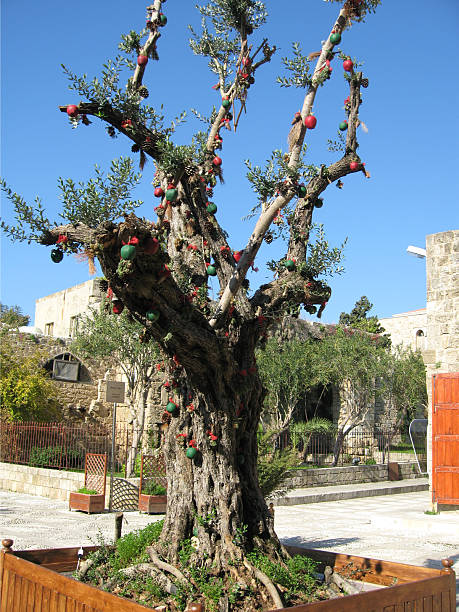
132, 546
370, 461
88, 491
273, 465
153, 488
43, 457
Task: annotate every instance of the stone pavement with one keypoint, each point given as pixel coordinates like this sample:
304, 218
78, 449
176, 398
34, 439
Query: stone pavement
391, 527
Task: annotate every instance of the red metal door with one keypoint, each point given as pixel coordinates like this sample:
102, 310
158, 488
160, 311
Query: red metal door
445, 438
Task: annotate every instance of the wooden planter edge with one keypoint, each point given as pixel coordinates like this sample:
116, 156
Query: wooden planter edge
40, 567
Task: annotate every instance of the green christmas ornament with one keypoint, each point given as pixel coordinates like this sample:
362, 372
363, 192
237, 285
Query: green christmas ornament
211, 271
153, 315
171, 407
57, 255
335, 38
162, 19
128, 251
191, 452
301, 191
171, 195
211, 208
195, 529
226, 103
343, 126
290, 265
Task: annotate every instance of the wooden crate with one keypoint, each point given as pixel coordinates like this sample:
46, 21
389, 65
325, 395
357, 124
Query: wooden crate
29, 581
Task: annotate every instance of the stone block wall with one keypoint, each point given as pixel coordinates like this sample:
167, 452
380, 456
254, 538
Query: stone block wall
54, 484
323, 477
442, 350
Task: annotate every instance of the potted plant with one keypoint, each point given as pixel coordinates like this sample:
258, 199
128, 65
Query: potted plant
152, 498
87, 500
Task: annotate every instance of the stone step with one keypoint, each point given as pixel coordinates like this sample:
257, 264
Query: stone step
315, 495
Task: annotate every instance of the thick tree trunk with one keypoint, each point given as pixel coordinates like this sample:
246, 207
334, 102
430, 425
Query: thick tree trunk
215, 494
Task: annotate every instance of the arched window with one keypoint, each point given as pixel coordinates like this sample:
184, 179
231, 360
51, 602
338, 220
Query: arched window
420, 340
67, 368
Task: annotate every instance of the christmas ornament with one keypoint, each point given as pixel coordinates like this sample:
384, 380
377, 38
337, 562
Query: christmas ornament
335, 38
354, 165
217, 161
117, 307
290, 265
343, 126
158, 192
348, 65
171, 194
226, 103
171, 407
152, 315
211, 271
310, 122
237, 256
211, 208
191, 452
142, 60
319, 203
301, 191
61, 239
72, 110
162, 19
128, 251
57, 255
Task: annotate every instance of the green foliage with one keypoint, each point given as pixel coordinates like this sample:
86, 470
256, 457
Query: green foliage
31, 220
299, 67
358, 317
88, 491
317, 425
131, 546
265, 181
153, 488
51, 456
370, 461
298, 578
106, 197
273, 465
288, 370
12, 316
26, 391
323, 260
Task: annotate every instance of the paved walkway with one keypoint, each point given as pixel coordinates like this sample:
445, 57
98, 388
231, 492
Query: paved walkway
391, 527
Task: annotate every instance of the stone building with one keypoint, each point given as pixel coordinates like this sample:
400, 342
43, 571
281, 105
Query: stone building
408, 328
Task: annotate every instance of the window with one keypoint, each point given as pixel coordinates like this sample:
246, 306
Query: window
420, 340
49, 329
66, 367
73, 326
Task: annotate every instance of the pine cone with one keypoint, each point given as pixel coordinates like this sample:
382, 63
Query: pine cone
269, 237
111, 131
365, 83
135, 148
143, 91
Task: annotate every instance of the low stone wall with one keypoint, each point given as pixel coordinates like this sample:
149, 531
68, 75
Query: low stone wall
55, 484
322, 477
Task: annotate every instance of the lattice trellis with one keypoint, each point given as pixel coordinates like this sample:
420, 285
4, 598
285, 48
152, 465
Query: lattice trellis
95, 472
125, 495
152, 469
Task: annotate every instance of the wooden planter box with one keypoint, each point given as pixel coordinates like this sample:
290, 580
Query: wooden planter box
29, 580
87, 503
152, 504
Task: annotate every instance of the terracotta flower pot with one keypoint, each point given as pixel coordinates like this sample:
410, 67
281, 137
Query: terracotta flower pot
86, 503
152, 504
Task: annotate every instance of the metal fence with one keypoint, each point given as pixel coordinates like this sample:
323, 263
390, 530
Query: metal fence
364, 446
60, 445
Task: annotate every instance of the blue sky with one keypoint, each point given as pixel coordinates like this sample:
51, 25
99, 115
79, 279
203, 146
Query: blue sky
409, 50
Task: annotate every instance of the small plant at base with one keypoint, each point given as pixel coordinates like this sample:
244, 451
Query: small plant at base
88, 491
370, 461
153, 488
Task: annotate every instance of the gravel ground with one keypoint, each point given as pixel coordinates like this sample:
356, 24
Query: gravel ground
391, 527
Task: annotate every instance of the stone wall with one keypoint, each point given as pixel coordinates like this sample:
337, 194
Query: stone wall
407, 328
54, 484
322, 477
442, 351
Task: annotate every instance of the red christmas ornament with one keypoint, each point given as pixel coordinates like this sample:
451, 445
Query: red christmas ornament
348, 65
72, 110
237, 256
117, 307
354, 165
61, 239
142, 60
126, 124
310, 122
217, 161
246, 61
159, 192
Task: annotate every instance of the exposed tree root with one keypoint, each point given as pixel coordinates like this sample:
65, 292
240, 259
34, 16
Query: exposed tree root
150, 568
166, 567
263, 578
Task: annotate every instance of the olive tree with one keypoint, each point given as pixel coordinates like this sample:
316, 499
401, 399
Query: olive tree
159, 270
